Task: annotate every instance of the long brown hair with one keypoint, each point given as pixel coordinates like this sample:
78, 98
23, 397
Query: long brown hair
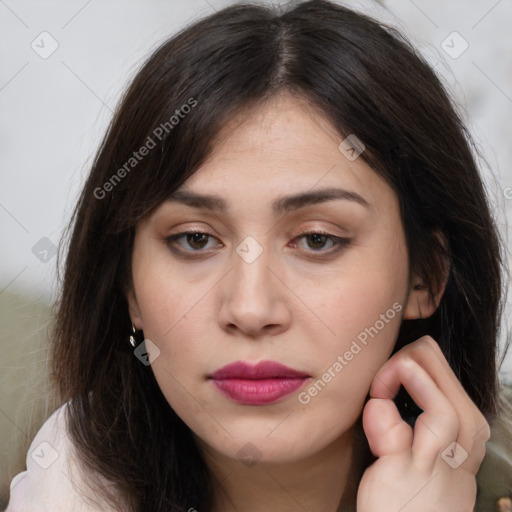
368, 81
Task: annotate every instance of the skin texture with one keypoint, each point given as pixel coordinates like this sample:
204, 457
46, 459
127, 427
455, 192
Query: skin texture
208, 308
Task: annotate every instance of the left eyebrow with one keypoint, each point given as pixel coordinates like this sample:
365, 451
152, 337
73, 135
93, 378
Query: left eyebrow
297, 201
280, 205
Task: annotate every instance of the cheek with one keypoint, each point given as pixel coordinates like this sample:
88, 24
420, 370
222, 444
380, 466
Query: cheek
171, 313
174, 313
369, 290
363, 313
165, 298
347, 361
180, 367
175, 321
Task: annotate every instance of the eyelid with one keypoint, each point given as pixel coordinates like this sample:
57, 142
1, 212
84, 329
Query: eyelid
169, 240
339, 243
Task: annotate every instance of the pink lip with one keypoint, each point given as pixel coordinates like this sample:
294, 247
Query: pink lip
265, 383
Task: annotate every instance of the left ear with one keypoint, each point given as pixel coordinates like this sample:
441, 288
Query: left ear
421, 303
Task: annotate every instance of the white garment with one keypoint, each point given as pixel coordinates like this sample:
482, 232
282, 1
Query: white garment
52, 481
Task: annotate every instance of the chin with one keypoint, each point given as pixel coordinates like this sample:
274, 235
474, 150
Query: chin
287, 447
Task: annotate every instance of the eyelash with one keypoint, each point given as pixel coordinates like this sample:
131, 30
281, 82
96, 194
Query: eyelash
340, 242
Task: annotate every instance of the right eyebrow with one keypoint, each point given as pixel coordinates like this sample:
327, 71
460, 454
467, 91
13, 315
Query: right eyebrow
279, 205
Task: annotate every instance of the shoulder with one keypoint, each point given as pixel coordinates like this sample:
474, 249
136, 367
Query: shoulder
52, 480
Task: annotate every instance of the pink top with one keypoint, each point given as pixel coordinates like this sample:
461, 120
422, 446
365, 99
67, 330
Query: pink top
52, 481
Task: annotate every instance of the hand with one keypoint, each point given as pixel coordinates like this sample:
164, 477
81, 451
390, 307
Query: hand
411, 473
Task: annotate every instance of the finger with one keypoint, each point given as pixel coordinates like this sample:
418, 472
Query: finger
387, 433
474, 430
438, 425
473, 427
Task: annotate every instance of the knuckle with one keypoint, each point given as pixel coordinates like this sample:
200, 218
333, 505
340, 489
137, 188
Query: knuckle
409, 366
453, 421
431, 344
425, 344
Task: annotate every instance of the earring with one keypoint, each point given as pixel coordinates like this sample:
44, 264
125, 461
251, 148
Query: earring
136, 337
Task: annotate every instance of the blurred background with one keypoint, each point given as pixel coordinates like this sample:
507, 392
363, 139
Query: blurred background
64, 66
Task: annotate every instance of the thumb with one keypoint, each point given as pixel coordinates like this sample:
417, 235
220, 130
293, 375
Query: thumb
386, 431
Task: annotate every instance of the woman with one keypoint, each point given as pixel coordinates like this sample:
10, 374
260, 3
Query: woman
283, 254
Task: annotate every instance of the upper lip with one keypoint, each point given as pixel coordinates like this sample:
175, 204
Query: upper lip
262, 370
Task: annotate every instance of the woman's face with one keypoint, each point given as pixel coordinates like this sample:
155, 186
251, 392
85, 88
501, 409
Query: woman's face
251, 287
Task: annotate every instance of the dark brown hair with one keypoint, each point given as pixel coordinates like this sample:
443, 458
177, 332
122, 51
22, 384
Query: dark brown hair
368, 81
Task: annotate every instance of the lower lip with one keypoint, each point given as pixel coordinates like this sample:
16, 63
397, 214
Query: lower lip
258, 392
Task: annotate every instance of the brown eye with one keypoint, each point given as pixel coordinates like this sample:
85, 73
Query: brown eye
197, 238
316, 242
194, 241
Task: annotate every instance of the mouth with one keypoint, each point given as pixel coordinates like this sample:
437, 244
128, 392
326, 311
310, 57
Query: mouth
265, 383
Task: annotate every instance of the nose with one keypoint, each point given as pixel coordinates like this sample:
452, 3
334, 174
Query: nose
253, 298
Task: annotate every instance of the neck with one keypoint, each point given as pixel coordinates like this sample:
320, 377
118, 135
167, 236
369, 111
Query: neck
324, 482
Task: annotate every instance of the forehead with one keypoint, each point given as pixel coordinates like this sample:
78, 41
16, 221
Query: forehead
279, 149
